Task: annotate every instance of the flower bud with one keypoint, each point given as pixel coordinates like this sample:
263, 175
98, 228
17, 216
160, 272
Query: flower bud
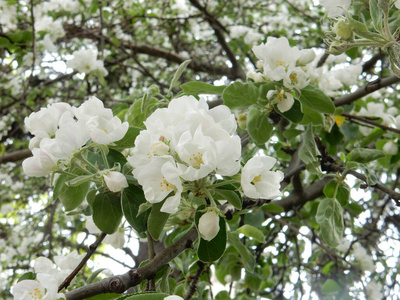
242, 121
115, 181
306, 56
159, 148
391, 148
209, 225
343, 29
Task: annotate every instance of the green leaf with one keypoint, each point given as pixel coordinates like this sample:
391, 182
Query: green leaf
144, 296
253, 281
311, 116
343, 194
330, 219
329, 189
258, 125
331, 286
315, 99
246, 256
131, 199
70, 196
308, 152
327, 268
178, 74
240, 95
136, 116
210, 251
273, 208
223, 295
376, 15
363, 155
93, 276
107, 212
27, 276
108, 296
355, 208
231, 196
156, 221
196, 88
128, 141
294, 114
251, 231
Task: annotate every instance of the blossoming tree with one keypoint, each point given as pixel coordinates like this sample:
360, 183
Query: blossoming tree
231, 149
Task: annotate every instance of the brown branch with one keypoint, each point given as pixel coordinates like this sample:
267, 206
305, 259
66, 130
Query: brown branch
195, 279
15, 156
368, 121
218, 30
120, 283
365, 90
92, 249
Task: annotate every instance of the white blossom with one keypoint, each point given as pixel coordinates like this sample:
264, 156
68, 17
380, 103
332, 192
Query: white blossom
334, 8
257, 179
374, 290
40, 164
277, 56
85, 61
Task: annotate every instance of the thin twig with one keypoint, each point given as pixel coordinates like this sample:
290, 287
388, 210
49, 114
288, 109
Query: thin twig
90, 252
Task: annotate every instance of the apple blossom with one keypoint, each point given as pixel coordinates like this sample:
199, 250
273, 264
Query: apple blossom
85, 61
257, 179
209, 225
391, 148
159, 178
277, 56
40, 164
115, 181
335, 8
283, 99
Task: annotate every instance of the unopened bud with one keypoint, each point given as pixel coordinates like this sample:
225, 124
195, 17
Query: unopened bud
209, 225
343, 29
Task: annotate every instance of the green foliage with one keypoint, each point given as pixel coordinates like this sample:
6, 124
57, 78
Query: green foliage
258, 125
156, 221
240, 95
315, 99
107, 212
131, 199
330, 219
70, 196
209, 251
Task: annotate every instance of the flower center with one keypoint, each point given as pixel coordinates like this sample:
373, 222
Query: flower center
196, 160
256, 179
279, 63
36, 294
293, 77
165, 185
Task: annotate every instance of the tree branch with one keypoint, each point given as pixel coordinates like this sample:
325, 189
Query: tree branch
365, 90
218, 30
120, 283
15, 156
92, 249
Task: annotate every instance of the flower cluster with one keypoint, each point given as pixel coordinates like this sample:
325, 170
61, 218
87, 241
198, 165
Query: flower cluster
185, 142
48, 278
61, 131
280, 62
85, 61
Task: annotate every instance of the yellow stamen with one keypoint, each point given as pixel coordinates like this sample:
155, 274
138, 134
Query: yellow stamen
279, 63
197, 160
36, 294
256, 179
166, 185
